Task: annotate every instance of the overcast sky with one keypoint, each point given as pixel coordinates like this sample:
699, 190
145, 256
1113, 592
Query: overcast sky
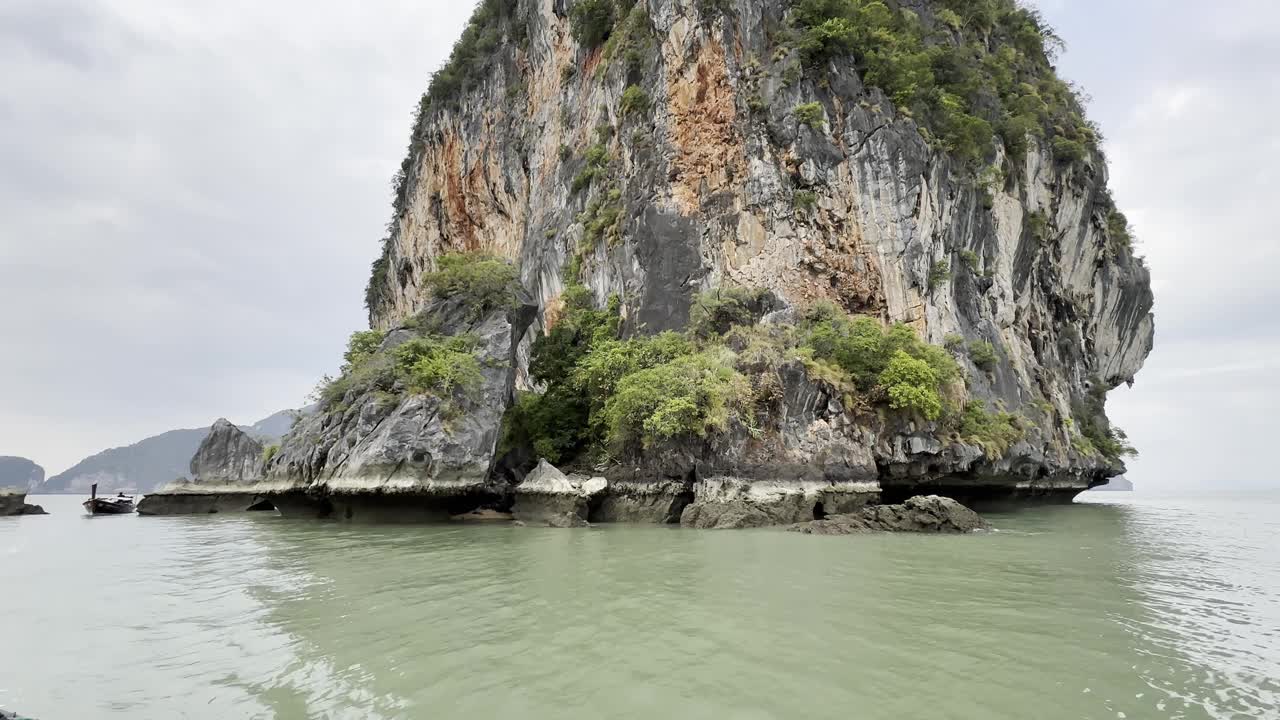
191, 194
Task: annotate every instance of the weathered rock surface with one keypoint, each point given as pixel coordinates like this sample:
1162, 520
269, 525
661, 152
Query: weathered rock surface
921, 514
707, 185
14, 502
549, 497
724, 503
376, 453
226, 476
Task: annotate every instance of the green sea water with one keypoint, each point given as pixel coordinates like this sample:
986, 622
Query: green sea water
1121, 607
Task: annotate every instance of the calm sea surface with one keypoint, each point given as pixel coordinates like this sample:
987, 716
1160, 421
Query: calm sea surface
1124, 607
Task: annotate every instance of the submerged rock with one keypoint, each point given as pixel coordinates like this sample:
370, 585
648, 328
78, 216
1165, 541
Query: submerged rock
921, 514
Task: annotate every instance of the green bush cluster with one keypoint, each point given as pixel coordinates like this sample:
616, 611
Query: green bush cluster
592, 21
486, 282
995, 433
600, 220
912, 385
607, 394
811, 114
632, 40
716, 312
875, 358
806, 200
269, 452
983, 68
970, 260
939, 274
1096, 435
983, 354
489, 24
429, 364
438, 365
634, 100
595, 165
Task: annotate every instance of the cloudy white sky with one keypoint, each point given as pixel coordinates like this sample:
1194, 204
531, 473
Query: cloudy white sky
191, 194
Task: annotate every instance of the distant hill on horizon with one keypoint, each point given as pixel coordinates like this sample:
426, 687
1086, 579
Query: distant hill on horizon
19, 472
150, 463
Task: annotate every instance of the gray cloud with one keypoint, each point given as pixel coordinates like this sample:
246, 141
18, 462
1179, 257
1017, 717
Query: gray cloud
192, 192
1186, 94
192, 195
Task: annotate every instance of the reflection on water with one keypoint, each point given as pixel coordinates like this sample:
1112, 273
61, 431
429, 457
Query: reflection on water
1141, 610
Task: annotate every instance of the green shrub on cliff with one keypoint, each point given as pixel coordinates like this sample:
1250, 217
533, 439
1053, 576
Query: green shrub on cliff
863, 347
634, 100
361, 345
485, 282
605, 394
437, 365
269, 452
981, 67
939, 274
690, 395
912, 385
492, 21
715, 312
983, 354
810, 114
994, 433
591, 21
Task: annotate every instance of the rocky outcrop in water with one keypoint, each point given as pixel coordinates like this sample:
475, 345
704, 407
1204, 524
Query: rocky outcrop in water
226, 476
681, 147
549, 497
931, 514
385, 447
14, 502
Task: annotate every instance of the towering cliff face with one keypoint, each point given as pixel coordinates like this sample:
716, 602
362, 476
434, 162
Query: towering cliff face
708, 144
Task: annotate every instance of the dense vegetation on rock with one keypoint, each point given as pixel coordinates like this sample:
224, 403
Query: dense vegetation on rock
429, 363
606, 396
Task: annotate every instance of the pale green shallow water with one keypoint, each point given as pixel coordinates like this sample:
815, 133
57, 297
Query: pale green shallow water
1131, 609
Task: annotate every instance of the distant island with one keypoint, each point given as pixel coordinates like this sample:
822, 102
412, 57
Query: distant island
19, 472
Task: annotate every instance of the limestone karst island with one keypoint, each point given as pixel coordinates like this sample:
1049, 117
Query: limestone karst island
726, 264
715, 359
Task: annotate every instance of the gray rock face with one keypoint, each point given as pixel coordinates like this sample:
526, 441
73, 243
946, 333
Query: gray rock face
931, 514
13, 502
549, 497
410, 445
226, 476
228, 456
732, 503
707, 184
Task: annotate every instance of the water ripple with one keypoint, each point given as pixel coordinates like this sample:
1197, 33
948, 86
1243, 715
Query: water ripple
1141, 610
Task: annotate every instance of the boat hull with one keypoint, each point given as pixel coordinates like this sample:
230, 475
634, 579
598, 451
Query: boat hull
107, 507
